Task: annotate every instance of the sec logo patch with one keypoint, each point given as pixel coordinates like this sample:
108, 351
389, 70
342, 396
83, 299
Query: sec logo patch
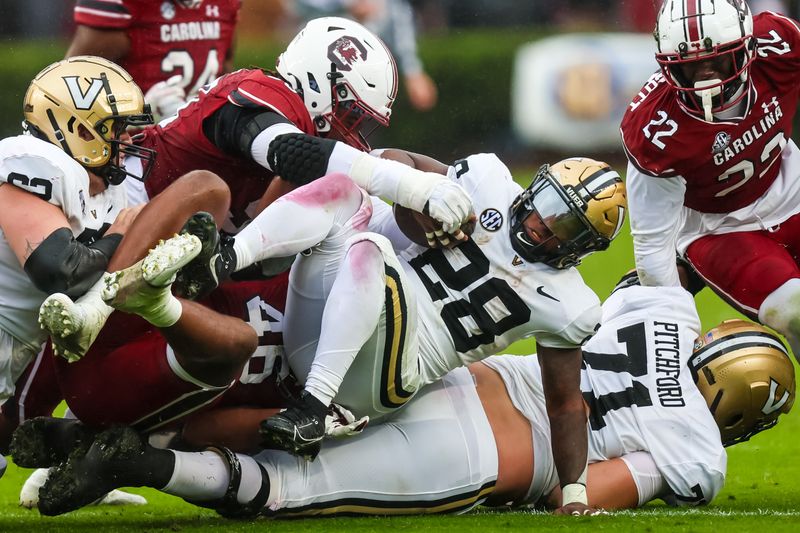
491, 219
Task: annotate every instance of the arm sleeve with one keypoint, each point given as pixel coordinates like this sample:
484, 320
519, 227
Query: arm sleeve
656, 210
649, 482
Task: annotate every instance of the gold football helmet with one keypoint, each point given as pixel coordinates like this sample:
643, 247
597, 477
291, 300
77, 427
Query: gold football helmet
580, 201
83, 104
745, 374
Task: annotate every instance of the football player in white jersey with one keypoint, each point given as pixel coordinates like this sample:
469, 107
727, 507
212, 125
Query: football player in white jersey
664, 401
368, 328
63, 214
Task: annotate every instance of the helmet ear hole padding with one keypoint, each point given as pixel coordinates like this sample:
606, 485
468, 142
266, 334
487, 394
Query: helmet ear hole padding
746, 376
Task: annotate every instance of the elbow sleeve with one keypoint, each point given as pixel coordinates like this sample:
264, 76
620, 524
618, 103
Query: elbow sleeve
62, 264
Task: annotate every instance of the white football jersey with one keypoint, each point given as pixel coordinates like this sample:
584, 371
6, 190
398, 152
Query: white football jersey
48, 172
640, 390
482, 296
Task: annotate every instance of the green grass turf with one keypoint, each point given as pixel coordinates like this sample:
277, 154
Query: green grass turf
762, 489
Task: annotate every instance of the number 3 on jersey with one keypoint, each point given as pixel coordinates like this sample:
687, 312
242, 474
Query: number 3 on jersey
476, 316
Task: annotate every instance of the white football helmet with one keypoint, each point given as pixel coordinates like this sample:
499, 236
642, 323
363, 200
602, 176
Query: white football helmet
346, 76
690, 31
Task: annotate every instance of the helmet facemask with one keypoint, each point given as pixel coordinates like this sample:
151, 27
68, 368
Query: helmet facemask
707, 97
563, 233
351, 120
718, 34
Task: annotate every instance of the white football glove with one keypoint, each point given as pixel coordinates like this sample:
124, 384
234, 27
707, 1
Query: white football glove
165, 97
450, 204
340, 422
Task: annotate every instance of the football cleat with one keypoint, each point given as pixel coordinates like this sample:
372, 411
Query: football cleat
195, 280
298, 430
144, 288
44, 441
85, 478
205, 274
73, 326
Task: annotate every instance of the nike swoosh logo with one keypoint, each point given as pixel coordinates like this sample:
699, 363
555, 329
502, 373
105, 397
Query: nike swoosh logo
540, 290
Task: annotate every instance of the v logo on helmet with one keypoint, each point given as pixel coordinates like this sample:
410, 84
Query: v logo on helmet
81, 99
770, 406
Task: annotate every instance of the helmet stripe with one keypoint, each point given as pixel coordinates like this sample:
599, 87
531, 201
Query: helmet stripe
600, 180
731, 343
692, 19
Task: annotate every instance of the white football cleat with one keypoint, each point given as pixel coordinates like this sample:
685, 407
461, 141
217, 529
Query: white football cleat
145, 287
29, 495
73, 326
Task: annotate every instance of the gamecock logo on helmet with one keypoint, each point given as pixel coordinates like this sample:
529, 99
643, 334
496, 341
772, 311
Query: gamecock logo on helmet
345, 51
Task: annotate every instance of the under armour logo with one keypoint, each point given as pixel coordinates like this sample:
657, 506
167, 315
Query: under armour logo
81, 99
212, 11
766, 105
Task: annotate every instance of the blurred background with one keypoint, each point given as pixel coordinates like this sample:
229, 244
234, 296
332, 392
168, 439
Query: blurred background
532, 80
528, 79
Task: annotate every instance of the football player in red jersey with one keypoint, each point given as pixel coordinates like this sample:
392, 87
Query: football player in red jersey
170, 47
713, 171
335, 82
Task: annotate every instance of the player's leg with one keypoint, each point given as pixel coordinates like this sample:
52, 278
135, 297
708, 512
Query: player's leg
756, 274
293, 223
209, 346
369, 365
438, 455
73, 326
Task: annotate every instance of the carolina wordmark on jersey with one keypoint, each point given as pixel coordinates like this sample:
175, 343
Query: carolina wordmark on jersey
726, 164
167, 38
482, 296
48, 172
640, 390
182, 145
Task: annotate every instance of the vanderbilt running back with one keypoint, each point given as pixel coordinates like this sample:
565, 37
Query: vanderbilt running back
481, 295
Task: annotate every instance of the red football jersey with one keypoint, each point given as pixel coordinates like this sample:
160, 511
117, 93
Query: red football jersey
182, 146
729, 164
167, 38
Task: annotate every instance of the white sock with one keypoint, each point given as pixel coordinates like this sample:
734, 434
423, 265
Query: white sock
358, 294
204, 476
167, 313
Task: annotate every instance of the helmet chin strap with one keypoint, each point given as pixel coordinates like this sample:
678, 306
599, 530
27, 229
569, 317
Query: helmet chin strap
708, 94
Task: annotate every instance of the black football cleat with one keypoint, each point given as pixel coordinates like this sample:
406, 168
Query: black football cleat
298, 430
214, 263
43, 442
84, 478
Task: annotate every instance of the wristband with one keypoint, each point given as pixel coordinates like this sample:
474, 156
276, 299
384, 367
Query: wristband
574, 493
